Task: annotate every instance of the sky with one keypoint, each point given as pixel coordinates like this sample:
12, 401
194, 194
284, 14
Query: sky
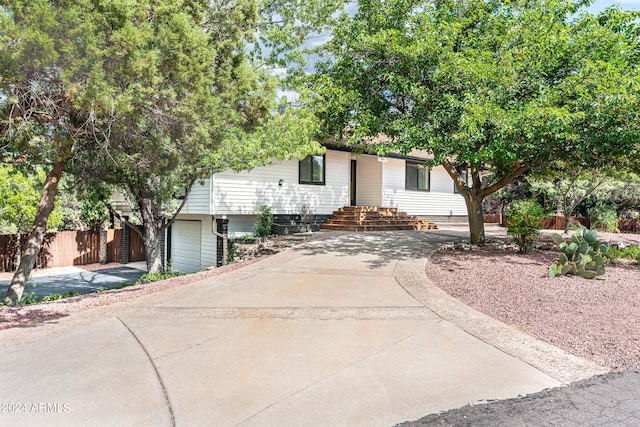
599, 5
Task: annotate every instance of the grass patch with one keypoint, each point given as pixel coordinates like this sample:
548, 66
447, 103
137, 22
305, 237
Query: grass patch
157, 276
31, 298
628, 252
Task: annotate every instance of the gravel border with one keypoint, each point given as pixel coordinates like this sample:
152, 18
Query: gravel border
598, 320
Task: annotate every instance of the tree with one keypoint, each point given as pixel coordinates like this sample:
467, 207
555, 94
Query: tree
199, 106
494, 88
19, 196
53, 100
572, 186
144, 91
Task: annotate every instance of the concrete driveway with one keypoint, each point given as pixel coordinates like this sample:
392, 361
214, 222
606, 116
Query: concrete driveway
344, 330
74, 279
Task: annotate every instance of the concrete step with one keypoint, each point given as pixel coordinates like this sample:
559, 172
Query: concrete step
373, 218
377, 227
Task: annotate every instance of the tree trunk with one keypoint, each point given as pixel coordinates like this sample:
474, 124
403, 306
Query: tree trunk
152, 229
36, 235
476, 218
152, 249
103, 251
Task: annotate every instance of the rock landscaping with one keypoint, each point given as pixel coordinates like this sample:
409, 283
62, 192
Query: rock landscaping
595, 319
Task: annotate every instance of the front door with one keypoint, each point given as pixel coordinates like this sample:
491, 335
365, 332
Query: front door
352, 184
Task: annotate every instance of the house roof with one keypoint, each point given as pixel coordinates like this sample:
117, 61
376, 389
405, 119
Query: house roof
416, 155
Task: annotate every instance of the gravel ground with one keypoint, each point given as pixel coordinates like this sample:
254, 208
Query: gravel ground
595, 319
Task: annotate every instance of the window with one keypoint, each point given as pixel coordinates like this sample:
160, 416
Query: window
465, 178
312, 170
417, 177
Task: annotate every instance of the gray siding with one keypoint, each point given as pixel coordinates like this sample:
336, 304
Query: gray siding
240, 225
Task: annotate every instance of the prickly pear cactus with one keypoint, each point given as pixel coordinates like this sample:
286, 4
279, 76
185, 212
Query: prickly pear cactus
583, 255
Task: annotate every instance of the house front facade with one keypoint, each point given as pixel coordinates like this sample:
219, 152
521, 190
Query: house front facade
225, 203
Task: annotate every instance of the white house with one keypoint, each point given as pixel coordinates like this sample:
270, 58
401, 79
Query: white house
320, 184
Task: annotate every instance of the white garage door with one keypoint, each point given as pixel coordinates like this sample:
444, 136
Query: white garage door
185, 246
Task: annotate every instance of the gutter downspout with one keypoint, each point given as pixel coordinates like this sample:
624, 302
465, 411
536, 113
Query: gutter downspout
224, 237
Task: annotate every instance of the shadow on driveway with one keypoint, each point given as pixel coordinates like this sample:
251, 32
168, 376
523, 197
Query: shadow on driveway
83, 282
386, 246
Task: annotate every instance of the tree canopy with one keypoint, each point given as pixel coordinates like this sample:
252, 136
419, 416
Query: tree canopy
195, 105
496, 88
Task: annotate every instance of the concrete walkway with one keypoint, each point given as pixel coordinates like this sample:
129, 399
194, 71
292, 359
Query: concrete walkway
344, 330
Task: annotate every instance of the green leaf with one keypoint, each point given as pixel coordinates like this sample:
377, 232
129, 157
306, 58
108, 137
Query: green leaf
587, 274
591, 237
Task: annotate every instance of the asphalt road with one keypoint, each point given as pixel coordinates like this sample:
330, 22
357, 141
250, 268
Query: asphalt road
83, 282
605, 400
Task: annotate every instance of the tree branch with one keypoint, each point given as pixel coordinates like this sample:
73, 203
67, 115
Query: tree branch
121, 218
519, 170
184, 202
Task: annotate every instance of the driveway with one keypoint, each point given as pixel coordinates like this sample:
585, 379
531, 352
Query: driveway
74, 279
344, 330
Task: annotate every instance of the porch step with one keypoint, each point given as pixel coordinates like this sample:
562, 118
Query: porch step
374, 218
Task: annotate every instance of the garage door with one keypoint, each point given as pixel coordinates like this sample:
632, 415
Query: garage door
185, 246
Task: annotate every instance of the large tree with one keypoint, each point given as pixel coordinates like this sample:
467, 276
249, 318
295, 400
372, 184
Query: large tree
50, 90
494, 88
198, 105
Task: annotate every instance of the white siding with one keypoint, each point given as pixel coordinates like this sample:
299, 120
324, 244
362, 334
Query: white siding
207, 239
199, 200
185, 246
441, 182
368, 181
239, 193
439, 201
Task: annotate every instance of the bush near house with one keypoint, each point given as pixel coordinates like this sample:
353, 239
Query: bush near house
264, 222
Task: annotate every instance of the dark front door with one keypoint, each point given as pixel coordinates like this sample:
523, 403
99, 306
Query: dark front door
352, 183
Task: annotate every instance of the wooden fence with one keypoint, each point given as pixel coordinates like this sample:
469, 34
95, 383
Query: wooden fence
629, 225
493, 219
71, 248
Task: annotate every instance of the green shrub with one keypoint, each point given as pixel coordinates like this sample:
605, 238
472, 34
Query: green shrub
524, 222
28, 298
629, 252
55, 297
231, 252
31, 298
264, 222
583, 255
603, 217
154, 277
